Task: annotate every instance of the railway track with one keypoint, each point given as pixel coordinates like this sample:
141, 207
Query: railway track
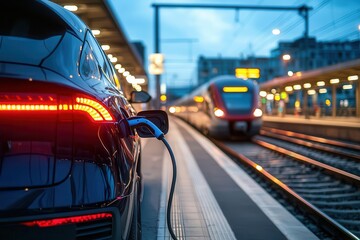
330, 195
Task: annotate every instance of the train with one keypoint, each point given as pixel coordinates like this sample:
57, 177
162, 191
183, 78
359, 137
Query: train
224, 107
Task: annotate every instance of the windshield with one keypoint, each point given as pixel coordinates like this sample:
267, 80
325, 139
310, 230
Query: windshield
237, 102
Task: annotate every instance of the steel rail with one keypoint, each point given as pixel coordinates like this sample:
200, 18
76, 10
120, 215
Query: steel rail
341, 174
310, 144
322, 218
313, 138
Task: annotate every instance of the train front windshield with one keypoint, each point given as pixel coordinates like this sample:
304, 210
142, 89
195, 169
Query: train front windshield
237, 102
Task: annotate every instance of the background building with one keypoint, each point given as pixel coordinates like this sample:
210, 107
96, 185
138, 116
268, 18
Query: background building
311, 55
304, 55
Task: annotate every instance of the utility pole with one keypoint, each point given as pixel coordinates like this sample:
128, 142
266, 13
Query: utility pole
302, 10
157, 50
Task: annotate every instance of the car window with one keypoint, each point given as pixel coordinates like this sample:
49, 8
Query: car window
23, 19
89, 67
102, 59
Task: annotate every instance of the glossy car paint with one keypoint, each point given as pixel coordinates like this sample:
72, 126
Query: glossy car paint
55, 164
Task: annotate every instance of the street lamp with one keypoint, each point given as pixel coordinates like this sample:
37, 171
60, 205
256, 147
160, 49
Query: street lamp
276, 31
286, 58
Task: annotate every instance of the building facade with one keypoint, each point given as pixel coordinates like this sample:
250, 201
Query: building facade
304, 55
311, 54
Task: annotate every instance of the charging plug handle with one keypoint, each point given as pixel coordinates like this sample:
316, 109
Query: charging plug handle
138, 121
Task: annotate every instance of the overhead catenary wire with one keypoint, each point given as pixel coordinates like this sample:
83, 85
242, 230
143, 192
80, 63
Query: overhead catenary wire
290, 26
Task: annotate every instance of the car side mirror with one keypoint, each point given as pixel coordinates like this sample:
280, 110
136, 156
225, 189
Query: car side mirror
157, 117
139, 97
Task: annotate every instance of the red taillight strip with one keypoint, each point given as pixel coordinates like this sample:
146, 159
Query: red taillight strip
27, 107
91, 107
94, 106
67, 220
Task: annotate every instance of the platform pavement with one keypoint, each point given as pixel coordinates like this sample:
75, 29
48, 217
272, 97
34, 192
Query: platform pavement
235, 208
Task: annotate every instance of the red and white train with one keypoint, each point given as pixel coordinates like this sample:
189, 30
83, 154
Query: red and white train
224, 107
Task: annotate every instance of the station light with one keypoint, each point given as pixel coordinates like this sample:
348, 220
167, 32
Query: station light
289, 88
130, 79
311, 92
297, 87
320, 83
283, 95
136, 87
334, 80
172, 109
262, 93
273, 91
286, 57
126, 73
139, 80
117, 66
105, 47
163, 98
113, 59
110, 56
121, 70
323, 90
290, 73
307, 85
347, 87
95, 32
353, 78
328, 102
277, 97
270, 97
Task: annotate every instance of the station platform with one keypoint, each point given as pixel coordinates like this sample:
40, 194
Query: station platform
214, 198
342, 128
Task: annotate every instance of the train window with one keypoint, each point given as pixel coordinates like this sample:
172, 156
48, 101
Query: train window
238, 101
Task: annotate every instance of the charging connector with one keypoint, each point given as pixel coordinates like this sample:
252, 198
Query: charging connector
140, 121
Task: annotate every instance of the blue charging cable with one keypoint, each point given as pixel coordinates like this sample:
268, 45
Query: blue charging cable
139, 121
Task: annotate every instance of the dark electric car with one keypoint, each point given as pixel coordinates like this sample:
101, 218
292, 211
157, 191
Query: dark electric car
67, 170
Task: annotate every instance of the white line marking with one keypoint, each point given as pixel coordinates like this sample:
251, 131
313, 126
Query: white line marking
216, 223
284, 221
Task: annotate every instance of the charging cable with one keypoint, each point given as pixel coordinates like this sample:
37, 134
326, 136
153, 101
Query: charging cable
138, 121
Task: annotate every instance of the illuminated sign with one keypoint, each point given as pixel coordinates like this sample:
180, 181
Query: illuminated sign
235, 89
156, 65
163, 98
246, 73
198, 99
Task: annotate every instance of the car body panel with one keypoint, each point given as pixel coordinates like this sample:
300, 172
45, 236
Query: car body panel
62, 163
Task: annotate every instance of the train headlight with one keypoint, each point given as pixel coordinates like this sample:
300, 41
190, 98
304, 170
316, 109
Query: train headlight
218, 112
258, 112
